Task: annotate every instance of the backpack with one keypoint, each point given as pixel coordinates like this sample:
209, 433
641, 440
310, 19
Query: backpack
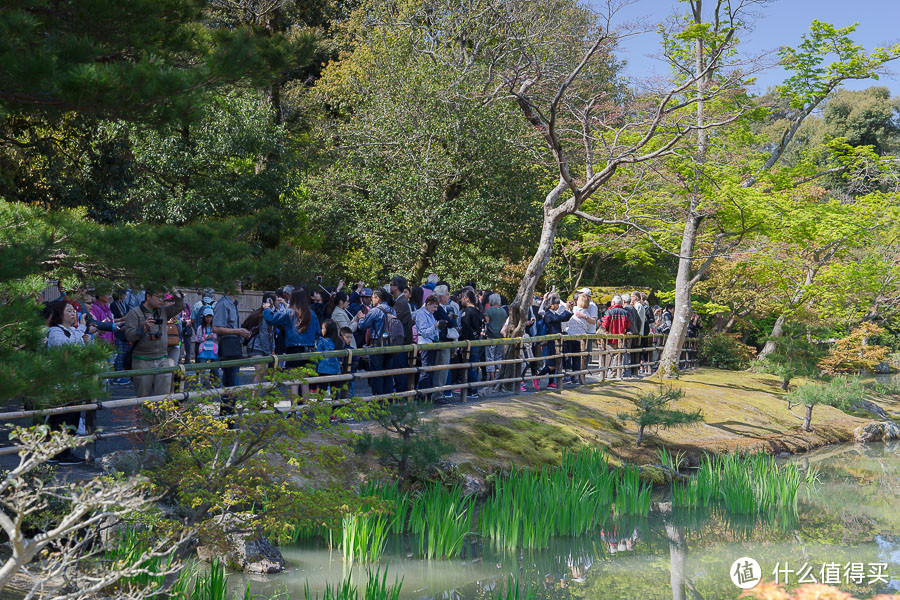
252, 324
253, 320
391, 330
173, 333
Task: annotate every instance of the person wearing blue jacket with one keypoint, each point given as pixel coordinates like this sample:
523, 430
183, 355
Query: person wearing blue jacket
300, 327
329, 341
373, 323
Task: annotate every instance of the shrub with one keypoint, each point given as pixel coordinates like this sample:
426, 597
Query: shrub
411, 445
725, 351
843, 393
651, 411
855, 353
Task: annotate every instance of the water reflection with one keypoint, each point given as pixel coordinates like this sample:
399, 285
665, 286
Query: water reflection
673, 553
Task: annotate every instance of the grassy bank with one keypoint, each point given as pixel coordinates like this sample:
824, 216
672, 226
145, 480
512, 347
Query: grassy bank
743, 411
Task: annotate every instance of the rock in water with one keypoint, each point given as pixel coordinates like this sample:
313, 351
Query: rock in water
243, 547
877, 431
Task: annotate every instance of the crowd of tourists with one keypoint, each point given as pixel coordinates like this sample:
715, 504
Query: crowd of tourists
155, 328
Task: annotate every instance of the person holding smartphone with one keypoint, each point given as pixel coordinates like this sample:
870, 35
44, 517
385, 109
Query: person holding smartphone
145, 330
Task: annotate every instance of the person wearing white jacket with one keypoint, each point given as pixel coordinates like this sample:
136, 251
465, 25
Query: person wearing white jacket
63, 329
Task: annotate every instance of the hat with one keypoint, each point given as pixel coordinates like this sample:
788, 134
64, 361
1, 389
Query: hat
366, 293
585, 291
207, 310
288, 289
208, 291
207, 299
399, 281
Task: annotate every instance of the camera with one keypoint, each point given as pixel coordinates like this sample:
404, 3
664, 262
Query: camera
158, 321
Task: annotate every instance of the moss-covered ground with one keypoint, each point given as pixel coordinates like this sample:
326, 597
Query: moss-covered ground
743, 411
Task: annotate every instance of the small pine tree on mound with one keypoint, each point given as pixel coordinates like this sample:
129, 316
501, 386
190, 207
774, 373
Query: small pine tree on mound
841, 392
410, 445
795, 355
652, 411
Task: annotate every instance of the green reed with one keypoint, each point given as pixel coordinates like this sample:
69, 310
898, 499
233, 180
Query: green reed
213, 585
442, 518
400, 502
376, 588
513, 591
632, 495
743, 484
129, 549
363, 537
737, 485
592, 465
528, 507
667, 459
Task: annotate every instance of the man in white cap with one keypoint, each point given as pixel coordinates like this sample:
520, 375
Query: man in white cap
592, 310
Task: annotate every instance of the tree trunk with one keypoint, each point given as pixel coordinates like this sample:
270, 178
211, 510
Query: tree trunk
796, 298
521, 304
807, 420
423, 262
684, 281
777, 330
640, 437
785, 383
274, 99
518, 308
450, 193
668, 360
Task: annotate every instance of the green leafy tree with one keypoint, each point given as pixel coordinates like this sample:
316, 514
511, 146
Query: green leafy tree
419, 169
652, 410
795, 355
72, 65
216, 466
811, 81
864, 118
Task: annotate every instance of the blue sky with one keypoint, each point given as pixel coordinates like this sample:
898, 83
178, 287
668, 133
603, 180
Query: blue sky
780, 23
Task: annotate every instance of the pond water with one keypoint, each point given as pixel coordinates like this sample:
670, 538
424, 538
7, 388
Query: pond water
847, 530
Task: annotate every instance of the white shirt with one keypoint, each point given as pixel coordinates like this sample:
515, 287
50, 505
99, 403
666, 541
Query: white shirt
594, 313
578, 325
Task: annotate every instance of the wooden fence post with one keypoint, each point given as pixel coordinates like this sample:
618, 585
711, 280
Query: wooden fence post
347, 369
412, 379
464, 383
